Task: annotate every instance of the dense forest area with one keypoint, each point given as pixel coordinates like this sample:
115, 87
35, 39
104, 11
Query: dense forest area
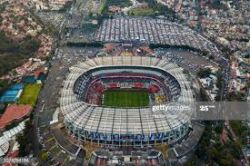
14, 53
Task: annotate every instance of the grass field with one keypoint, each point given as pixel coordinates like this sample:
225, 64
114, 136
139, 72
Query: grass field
126, 98
141, 11
30, 94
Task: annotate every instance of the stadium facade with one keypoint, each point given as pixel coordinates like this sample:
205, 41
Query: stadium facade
87, 118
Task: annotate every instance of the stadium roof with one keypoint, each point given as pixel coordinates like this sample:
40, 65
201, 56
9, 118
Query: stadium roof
93, 121
7, 136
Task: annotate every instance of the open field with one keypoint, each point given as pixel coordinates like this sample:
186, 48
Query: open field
126, 98
142, 11
30, 94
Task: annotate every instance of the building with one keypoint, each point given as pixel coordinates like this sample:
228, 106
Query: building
14, 113
86, 119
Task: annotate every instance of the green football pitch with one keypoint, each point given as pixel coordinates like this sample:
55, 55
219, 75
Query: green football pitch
126, 98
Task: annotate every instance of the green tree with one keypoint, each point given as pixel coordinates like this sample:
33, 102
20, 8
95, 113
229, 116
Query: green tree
25, 140
203, 73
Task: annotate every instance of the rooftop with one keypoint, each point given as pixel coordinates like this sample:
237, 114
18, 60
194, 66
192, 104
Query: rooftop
14, 112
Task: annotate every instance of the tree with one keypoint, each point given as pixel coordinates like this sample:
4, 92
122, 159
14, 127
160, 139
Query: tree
25, 140
3, 85
203, 73
29, 45
219, 127
44, 156
13, 53
211, 57
219, 82
236, 96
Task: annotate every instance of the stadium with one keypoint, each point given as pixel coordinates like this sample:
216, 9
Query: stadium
109, 99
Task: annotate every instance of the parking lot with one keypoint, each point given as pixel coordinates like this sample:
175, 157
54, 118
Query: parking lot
189, 60
153, 31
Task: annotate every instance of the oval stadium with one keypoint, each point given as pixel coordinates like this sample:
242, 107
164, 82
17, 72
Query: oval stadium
112, 100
